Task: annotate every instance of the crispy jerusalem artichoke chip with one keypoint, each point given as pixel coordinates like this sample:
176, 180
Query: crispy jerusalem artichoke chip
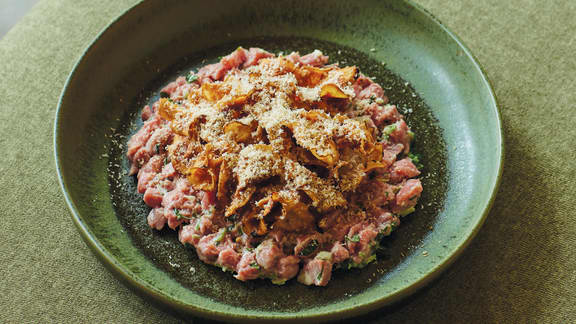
181, 152
310, 76
203, 174
348, 74
253, 222
223, 178
167, 108
296, 217
239, 200
329, 154
331, 90
212, 91
201, 178
238, 132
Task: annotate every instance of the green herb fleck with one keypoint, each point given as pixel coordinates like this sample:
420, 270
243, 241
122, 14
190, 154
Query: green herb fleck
355, 238
372, 99
157, 148
319, 276
416, 160
164, 94
385, 135
191, 77
221, 236
179, 216
406, 211
310, 248
166, 160
389, 129
254, 265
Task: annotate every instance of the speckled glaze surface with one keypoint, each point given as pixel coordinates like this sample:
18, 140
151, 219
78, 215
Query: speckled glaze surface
434, 79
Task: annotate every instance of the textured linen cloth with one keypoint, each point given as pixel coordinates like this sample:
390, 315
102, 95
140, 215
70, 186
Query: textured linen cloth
520, 268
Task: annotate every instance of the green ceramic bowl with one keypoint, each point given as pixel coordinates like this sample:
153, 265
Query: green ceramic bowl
424, 68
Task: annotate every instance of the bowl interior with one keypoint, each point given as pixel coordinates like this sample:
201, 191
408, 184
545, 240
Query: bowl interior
438, 86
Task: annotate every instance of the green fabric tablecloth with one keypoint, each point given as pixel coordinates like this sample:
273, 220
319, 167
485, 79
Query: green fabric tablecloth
520, 268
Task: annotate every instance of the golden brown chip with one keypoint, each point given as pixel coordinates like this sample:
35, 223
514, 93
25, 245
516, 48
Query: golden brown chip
167, 109
212, 91
238, 132
239, 199
331, 90
223, 177
348, 74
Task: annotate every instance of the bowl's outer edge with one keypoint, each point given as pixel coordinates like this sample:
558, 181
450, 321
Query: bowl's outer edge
160, 300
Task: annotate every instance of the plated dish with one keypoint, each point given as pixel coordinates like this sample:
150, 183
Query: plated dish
276, 166
425, 70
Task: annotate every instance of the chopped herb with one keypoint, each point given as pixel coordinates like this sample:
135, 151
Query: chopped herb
164, 94
386, 194
191, 77
157, 148
166, 160
179, 216
230, 228
319, 276
406, 211
355, 238
389, 129
239, 230
221, 236
416, 160
310, 248
385, 135
324, 255
254, 265
372, 98
386, 231
370, 259
197, 225
249, 249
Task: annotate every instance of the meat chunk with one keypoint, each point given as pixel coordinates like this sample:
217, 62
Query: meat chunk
315, 58
339, 253
172, 86
235, 59
255, 55
267, 254
316, 272
187, 235
248, 268
212, 72
156, 218
206, 248
408, 195
148, 172
228, 258
138, 140
403, 169
287, 268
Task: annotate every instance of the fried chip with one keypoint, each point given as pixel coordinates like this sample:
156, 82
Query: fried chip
238, 132
331, 90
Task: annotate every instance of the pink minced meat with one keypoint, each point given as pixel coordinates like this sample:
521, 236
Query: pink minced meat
313, 255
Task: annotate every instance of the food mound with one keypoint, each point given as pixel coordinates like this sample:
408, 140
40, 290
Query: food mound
276, 166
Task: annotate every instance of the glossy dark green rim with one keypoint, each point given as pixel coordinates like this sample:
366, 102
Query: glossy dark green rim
162, 300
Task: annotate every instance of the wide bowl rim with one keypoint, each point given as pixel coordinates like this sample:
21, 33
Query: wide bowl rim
163, 301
